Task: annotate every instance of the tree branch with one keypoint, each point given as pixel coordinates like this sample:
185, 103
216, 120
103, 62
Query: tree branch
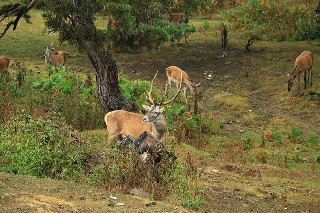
16, 10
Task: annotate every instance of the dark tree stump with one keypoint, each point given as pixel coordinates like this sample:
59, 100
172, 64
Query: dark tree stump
147, 143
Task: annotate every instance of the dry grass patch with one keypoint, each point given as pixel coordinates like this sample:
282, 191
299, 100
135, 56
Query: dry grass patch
231, 101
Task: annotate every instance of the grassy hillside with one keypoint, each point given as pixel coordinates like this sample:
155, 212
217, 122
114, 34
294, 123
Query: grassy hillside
264, 153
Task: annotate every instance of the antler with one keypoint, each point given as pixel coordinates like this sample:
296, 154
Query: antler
150, 99
197, 85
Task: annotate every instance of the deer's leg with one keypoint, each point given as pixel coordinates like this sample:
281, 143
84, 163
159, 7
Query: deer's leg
305, 79
112, 139
299, 82
166, 87
310, 76
185, 93
6, 75
177, 86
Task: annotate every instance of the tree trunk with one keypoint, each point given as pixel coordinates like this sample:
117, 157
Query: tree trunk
108, 90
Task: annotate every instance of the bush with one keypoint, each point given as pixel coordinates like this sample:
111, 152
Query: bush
43, 147
67, 94
273, 19
193, 129
134, 90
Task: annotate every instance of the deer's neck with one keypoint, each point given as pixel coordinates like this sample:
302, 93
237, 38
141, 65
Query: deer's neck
160, 127
188, 83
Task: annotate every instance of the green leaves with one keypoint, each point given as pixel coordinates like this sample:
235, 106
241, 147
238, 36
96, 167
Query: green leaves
42, 147
273, 20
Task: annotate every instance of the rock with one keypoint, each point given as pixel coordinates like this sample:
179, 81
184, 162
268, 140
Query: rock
139, 192
113, 197
151, 203
242, 131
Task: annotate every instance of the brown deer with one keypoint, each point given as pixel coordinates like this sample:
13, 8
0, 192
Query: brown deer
4, 65
121, 123
54, 57
303, 63
224, 37
178, 76
178, 18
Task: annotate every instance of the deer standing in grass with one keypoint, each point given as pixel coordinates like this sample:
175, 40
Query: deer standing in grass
178, 76
303, 63
224, 37
54, 57
121, 123
4, 65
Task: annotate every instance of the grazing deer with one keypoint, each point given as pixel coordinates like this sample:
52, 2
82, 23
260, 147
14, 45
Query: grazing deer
4, 65
55, 58
121, 123
303, 63
224, 37
179, 77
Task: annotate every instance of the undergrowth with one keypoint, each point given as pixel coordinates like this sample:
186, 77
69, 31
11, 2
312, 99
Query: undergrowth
273, 20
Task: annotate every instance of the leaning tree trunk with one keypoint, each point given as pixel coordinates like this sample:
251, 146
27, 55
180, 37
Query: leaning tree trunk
108, 90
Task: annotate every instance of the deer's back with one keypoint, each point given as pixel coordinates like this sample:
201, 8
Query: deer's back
174, 73
304, 60
59, 58
127, 123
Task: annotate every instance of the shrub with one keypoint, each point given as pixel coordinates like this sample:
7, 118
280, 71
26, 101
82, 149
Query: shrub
67, 94
248, 142
43, 147
294, 133
134, 90
313, 138
273, 19
191, 128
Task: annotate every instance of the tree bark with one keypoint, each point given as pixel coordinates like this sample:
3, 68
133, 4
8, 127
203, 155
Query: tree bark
108, 90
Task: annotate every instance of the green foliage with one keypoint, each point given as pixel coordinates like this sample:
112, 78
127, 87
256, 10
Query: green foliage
41, 147
67, 94
205, 27
60, 79
298, 156
313, 138
276, 135
182, 179
294, 133
134, 90
137, 23
248, 142
273, 20
193, 129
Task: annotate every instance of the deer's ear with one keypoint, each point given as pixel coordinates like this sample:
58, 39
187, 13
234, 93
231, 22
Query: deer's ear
146, 107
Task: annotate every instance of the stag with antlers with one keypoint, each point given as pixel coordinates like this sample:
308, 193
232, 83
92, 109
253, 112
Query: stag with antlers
121, 123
